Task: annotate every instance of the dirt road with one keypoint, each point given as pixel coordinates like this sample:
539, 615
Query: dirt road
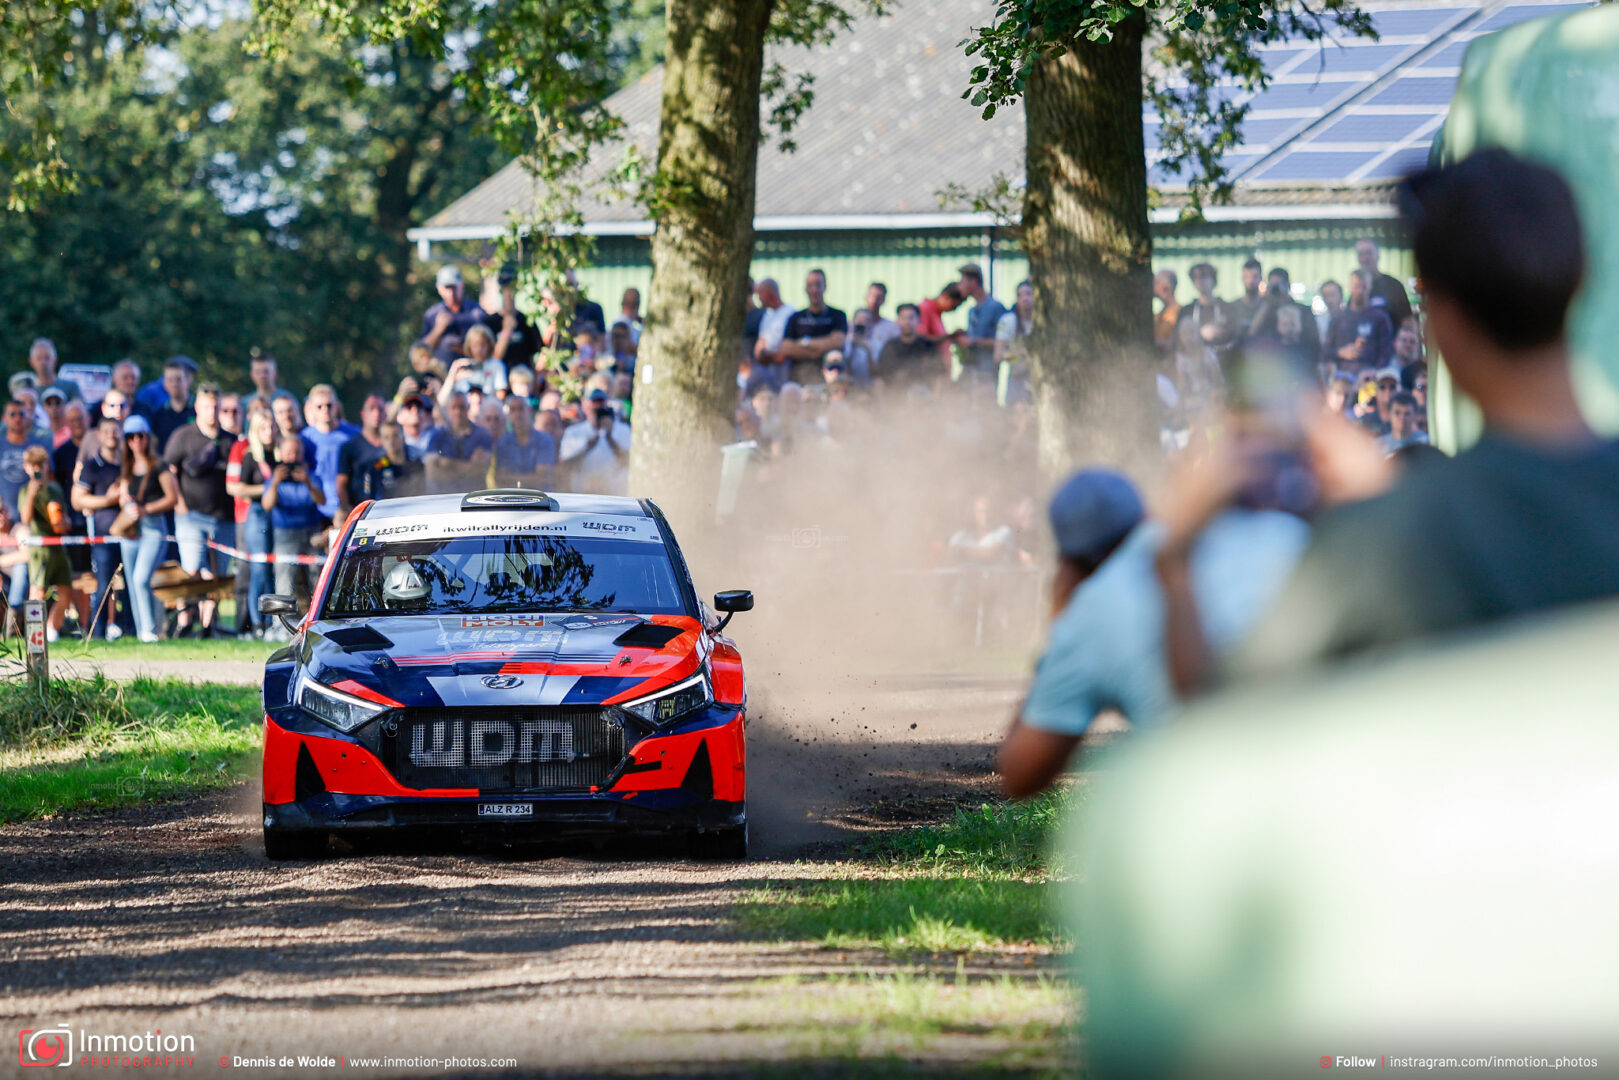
564, 962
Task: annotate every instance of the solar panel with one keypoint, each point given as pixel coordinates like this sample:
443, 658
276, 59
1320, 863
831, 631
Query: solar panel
1514, 14
1370, 128
1399, 164
1417, 90
1383, 96
1448, 57
1367, 59
1305, 95
1262, 131
1157, 176
1335, 165
1416, 22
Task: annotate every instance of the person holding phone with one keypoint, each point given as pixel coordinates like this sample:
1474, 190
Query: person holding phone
42, 507
147, 491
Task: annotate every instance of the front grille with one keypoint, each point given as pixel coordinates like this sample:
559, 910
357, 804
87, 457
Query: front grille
538, 748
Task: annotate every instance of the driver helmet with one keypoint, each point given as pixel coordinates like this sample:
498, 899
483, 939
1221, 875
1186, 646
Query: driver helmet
405, 584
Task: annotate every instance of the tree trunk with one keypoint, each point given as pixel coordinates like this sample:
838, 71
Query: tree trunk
708, 145
1085, 234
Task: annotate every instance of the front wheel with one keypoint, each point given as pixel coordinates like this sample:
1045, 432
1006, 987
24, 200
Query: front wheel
282, 844
721, 845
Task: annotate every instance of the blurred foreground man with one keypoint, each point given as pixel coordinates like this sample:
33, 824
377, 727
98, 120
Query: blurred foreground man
1527, 519
1106, 645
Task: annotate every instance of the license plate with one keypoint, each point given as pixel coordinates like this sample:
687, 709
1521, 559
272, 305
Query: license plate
505, 809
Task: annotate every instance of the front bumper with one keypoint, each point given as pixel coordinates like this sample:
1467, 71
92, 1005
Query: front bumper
554, 817
691, 777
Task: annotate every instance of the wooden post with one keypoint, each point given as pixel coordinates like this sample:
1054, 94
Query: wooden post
34, 630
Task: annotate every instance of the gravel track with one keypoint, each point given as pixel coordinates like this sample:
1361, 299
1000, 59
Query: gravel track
569, 961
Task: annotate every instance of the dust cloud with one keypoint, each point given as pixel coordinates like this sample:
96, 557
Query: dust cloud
900, 561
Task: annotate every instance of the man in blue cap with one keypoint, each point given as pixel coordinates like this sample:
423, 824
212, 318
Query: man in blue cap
1106, 647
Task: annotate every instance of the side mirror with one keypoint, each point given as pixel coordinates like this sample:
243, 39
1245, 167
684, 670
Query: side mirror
284, 608
732, 601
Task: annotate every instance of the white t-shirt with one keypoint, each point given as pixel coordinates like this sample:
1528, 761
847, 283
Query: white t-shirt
599, 471
773, 325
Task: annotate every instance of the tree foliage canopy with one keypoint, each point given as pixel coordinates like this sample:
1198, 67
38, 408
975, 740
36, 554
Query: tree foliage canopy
213, 204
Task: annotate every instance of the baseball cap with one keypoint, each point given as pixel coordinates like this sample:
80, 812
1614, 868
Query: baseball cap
598, 394
137, 425
833, 359
421, 401
1092, 511
23, 380
184, 361
449, 274
53, 392
1389, 373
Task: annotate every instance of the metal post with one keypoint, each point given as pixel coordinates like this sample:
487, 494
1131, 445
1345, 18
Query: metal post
34, 629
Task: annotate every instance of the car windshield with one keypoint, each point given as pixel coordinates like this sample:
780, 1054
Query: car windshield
478, 574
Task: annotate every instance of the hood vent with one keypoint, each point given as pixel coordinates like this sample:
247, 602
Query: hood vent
647, 636
358, 639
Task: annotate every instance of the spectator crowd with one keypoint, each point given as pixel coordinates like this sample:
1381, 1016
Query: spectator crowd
1365, 355
205, 474
108, 481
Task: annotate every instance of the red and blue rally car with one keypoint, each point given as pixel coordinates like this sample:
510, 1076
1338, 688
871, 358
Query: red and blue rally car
508, 663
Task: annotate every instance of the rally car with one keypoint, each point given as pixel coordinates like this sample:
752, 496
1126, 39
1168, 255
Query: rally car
510, 664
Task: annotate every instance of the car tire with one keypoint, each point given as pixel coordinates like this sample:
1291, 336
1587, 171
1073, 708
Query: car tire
721, 845
282, 845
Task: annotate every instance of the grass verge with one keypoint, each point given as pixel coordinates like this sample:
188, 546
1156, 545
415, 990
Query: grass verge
185, 649
894, 1024
92, 744
977, 882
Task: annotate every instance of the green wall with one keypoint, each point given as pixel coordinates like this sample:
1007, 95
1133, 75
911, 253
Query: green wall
918, 263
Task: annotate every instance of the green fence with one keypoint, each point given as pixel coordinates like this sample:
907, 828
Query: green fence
918, 263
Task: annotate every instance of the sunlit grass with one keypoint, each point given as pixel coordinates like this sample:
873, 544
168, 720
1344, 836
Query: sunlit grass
88, 744
977, 882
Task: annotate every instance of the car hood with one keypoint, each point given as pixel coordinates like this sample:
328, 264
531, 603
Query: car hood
471, 660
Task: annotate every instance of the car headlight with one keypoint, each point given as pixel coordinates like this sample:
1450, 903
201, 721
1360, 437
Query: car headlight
674, 702
345, 712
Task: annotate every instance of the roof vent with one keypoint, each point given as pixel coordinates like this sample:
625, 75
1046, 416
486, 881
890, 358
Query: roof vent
508, 499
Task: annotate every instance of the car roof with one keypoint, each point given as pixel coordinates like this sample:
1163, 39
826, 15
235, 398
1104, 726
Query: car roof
566, 503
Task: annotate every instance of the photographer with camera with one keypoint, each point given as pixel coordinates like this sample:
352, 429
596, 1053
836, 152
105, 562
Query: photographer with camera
596, 450
445, 324
1284, 325
292, 496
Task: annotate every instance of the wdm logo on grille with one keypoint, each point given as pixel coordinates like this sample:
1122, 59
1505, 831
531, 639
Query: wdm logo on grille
44, 1047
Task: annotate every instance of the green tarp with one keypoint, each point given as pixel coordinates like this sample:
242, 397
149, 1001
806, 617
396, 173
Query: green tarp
1549, 89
